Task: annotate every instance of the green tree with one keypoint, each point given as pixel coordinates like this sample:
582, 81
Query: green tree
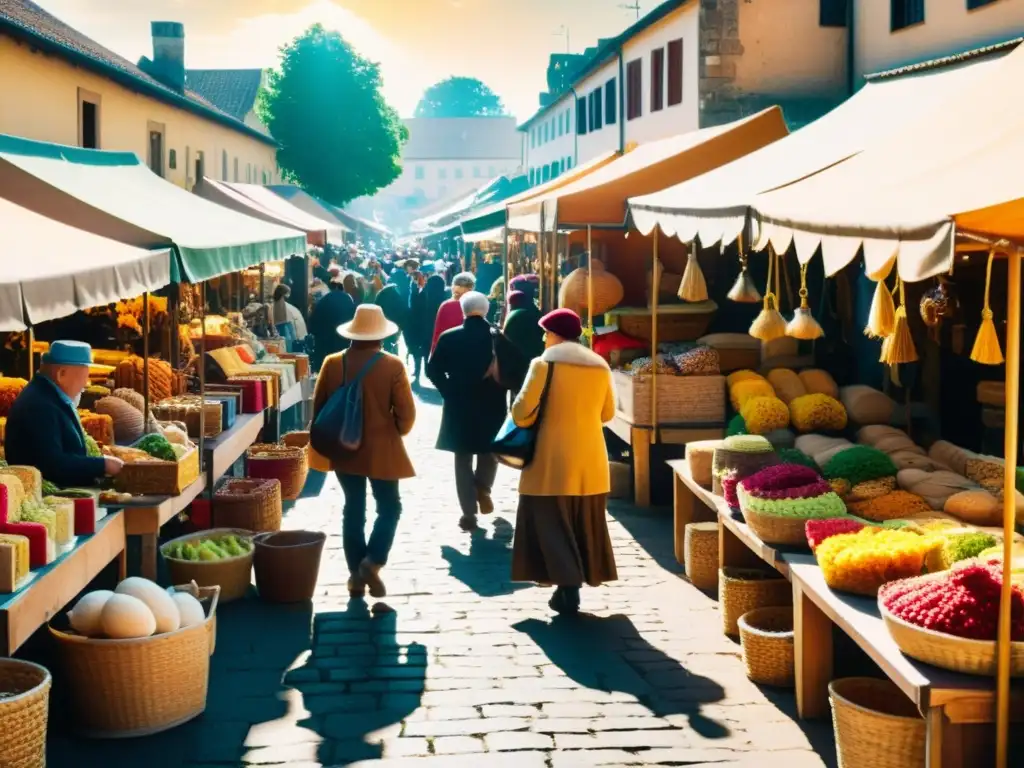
459, 97
339, 139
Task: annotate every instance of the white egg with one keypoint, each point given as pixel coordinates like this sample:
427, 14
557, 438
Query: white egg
191, 610
126, 617
85, 616
156, 599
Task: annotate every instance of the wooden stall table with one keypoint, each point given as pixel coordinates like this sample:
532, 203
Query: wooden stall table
146, 518
229, 446
952, 704
49, 589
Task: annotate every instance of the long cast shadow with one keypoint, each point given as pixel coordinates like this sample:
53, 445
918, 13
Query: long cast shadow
487, 568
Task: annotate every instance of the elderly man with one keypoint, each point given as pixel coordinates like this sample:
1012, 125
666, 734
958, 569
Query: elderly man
43, 428
450, 314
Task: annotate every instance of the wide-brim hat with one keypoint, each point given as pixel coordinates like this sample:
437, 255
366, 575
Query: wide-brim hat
76, 353
369, 324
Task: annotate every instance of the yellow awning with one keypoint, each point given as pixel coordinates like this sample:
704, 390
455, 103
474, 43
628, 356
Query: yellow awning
955, 166
599, 199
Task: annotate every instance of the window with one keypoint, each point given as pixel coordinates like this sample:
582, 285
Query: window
581, 116
832, 13
266, 177
442, 173
458, 173
634, 92
972, 4
476, 171
490, 171
675, 72
568, 120
200, 165
156, 148
554, 170
657, 79
532, 177
545, 174
420, 172
235, 175
546, 135
88, 119
596, 106
561, 125
172, 159
905, 13
610, 102
553, 127
533, 137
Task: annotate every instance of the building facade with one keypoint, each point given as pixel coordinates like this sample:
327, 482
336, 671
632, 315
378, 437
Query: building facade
70, 90
690, 64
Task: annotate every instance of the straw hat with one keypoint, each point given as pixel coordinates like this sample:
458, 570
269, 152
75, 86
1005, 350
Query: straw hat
369, 324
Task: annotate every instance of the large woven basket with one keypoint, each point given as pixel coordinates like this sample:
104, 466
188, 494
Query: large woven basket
766, 635
700, 553
24, 711
957, 654
681, 399
741, 590
700, 457
742, 463
296, 439
288, 464
249, 504
232, 574
785, 530
159, 478
127, 688
676, 322
287, 565
875, 725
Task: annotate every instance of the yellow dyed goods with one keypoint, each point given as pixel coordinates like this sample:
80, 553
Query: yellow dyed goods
764, 414
15, 494
819, 382
736, 377
10, 388
742, 391
817, 413
787, 384
64, 518
895, 505
31, 481
862, 562
98, 426
20, 546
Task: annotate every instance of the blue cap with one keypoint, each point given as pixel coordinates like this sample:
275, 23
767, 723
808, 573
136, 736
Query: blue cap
68, 353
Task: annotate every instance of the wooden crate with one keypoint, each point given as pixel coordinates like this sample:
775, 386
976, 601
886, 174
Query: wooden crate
159, 478
681, 399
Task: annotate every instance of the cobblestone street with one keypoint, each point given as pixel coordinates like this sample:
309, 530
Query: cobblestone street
469, 669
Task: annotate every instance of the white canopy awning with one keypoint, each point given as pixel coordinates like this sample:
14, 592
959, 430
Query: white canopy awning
494, 235
714, 207
52, 270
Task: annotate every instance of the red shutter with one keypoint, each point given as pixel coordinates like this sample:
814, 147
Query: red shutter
634, 92
657, 79
675, 72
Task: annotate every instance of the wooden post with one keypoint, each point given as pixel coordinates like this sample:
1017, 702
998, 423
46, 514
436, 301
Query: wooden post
202, 375
30, 341
145, 360
655, 290
590, 287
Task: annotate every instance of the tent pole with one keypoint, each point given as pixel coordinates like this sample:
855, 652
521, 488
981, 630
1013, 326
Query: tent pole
30, 342
145, 359
540, 262
655, 290
1009, 493
505, 275
590, 287
262, 301
202, 379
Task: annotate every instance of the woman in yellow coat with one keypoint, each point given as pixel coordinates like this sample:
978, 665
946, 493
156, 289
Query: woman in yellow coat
561, 530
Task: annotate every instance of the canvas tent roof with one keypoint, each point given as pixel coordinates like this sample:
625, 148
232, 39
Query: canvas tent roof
953, 167
114, 195
262, 203
600, 198
51, 270
715, 206
313, 206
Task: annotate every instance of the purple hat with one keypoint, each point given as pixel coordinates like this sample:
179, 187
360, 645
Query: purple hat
518, 299
562, 322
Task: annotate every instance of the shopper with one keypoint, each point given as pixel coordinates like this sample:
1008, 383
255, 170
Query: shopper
425, 304
474, 405
381, 459
330, 312
522, 326
449, 314
561, 533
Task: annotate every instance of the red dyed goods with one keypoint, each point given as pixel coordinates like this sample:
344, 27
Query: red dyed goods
819, 530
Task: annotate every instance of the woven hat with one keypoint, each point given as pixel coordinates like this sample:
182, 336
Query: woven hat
369, 324
562, 322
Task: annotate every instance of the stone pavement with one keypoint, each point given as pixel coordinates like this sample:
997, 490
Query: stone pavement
470, 669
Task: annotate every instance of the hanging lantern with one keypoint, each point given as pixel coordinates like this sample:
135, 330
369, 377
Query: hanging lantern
986, 348
770, 324
882, 316
744, 291
693, 286
803, 325
898, 347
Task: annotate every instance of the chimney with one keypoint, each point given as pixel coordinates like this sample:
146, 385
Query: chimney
169, 53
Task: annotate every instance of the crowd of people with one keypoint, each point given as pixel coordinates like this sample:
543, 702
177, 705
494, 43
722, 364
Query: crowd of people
498, 364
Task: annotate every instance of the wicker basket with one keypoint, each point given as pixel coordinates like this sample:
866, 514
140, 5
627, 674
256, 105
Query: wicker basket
252, 505
957, 654
288, 464
743, 589
676, 322
159, 478
875, 725
786, 530
700, 553
766, 635
297, 439
186, 410
232, 574
23, 713
126, 688
681, 399
742, 463
287, 564
700, 458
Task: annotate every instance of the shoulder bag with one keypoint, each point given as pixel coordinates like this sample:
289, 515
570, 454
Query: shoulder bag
514, 446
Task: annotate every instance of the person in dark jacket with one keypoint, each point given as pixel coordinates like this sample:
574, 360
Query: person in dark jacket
333, 310
522, 327
423, 313
461, 368
43, 427
393, 306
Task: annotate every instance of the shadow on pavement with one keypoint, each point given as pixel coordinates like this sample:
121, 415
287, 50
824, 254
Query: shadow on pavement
427, 394
593, 651
487, 569
651, 528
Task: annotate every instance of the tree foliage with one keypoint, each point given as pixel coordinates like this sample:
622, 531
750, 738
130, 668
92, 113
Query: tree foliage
459, 97
338, 137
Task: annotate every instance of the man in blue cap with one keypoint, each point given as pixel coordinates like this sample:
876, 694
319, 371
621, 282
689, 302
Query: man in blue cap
43, 428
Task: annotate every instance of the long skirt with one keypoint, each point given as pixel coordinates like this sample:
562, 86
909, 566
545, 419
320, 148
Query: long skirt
563, 541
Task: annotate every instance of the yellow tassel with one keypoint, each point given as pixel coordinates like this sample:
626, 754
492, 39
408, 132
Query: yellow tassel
803, 325
899, 347
693, 286
986, 348
744, 291
770, 324
882, 317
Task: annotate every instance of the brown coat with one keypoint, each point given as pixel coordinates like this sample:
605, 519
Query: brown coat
388, 415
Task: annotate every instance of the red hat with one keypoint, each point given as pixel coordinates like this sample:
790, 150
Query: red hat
562, 322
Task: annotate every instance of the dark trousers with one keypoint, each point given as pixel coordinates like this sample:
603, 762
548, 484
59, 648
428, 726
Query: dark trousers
353, 520
469, 481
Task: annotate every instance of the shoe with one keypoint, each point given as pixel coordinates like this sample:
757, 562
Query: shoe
468, 523
369, 572
483, 498
565, 601
356, 587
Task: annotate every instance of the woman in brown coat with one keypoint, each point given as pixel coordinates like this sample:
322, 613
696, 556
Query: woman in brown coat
388, 415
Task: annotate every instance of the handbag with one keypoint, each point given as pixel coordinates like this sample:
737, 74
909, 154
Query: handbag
514, 446
338, 427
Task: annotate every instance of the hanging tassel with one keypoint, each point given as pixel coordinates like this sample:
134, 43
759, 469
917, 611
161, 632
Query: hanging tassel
693, 286
803, 326
770, 324
986, 348
882, 317
899, 347
744, 291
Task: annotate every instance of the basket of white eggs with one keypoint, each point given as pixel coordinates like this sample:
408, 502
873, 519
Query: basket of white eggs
137, 660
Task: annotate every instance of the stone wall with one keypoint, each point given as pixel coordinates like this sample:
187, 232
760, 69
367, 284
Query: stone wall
720, 48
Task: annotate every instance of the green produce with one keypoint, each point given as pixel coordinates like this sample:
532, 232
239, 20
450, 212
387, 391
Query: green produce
92, 448
74, 493
49, 489
209, 550
37, 512
158, 447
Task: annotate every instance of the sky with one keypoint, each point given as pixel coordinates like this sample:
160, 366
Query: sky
505, 43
